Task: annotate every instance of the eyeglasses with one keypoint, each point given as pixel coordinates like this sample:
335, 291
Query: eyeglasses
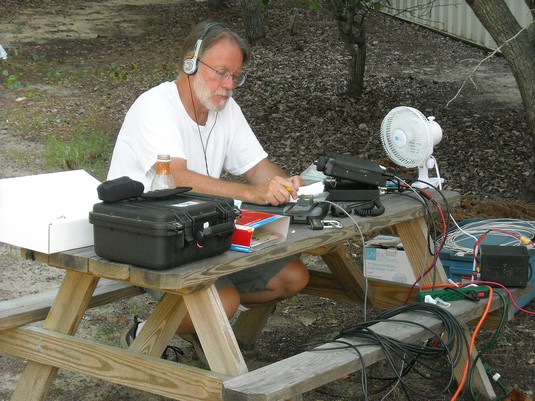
224, 75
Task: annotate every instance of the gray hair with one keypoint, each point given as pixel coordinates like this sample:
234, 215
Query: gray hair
210, 33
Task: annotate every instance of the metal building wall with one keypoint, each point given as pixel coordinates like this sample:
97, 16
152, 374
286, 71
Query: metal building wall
454, 17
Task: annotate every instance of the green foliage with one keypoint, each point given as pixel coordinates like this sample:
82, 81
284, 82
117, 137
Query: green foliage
116, 71
134, 310
314, 5
38, 57
106, 333
53, 76
85, 151
19, 156
13, 80
29, 94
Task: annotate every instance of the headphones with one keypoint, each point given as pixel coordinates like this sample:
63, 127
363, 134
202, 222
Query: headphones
190, 64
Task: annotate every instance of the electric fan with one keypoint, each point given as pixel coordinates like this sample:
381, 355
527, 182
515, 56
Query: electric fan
409, 137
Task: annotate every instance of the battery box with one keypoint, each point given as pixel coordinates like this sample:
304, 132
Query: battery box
507, 265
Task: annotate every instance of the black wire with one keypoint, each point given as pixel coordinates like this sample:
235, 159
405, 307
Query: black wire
416, 357
203, 146
424, 200
417, 353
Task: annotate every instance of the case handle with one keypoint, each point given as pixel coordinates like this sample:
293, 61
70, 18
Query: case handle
214, 230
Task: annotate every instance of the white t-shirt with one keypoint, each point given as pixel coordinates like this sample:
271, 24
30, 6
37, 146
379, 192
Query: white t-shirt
158, 123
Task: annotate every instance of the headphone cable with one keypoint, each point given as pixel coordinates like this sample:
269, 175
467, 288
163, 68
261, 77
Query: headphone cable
203, 145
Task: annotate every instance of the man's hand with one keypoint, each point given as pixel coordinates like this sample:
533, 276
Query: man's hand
267, 185
277, 191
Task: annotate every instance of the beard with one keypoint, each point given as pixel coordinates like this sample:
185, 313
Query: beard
206, 98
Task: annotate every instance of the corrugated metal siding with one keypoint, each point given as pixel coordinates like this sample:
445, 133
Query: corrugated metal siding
455, 18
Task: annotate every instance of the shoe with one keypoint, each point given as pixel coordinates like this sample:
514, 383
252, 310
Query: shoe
128, 337
170, 352
193, 339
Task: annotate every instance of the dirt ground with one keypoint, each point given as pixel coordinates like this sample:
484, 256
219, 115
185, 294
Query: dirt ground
81, 64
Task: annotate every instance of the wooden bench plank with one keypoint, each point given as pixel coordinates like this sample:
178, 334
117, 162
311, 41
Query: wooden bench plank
311, 369
35, 307
115, 365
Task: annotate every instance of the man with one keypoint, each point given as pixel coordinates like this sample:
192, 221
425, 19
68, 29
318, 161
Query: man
196, 121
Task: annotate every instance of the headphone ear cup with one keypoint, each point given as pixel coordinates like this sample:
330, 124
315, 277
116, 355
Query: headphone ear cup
190, 66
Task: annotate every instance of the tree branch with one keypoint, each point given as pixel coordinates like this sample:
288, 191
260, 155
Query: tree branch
469, 78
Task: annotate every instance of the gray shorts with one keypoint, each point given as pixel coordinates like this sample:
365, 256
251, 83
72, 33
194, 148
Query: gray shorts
245, 281
256, 278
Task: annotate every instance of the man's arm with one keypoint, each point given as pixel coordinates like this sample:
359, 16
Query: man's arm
268, 185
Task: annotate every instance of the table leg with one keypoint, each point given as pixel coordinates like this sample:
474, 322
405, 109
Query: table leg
215, 333
250, 324
349, 274
64, 317
160, 326
413, 235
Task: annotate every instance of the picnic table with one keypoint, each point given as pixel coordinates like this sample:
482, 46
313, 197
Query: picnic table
190, 289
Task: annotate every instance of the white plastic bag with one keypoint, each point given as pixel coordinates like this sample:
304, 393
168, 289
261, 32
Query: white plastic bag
3, 53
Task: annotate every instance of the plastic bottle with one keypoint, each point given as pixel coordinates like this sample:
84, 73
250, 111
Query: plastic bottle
163, 178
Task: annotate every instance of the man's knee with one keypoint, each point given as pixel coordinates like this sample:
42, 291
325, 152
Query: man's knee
293, 278
230, 298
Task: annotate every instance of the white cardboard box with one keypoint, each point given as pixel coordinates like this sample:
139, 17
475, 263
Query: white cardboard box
256, 230
48, 212
386, 260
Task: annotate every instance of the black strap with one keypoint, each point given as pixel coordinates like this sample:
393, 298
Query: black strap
164, 193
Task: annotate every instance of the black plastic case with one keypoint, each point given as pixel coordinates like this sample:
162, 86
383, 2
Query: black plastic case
163, 233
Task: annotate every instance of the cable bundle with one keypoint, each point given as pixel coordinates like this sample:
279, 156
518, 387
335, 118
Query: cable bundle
508, 231
446, 348
434, 360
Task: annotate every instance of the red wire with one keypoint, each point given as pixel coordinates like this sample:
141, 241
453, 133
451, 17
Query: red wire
509, 293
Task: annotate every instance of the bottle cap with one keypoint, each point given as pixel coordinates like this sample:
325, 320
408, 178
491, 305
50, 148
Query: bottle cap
164, 158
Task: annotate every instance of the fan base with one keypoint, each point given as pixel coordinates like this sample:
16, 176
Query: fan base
431, 181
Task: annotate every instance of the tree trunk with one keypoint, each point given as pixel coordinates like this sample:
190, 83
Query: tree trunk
251, 11
357, 66
519, 53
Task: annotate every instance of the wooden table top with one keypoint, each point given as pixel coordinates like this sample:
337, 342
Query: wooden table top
301, 238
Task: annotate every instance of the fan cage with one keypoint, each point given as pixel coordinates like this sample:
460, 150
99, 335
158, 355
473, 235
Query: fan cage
415, 126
